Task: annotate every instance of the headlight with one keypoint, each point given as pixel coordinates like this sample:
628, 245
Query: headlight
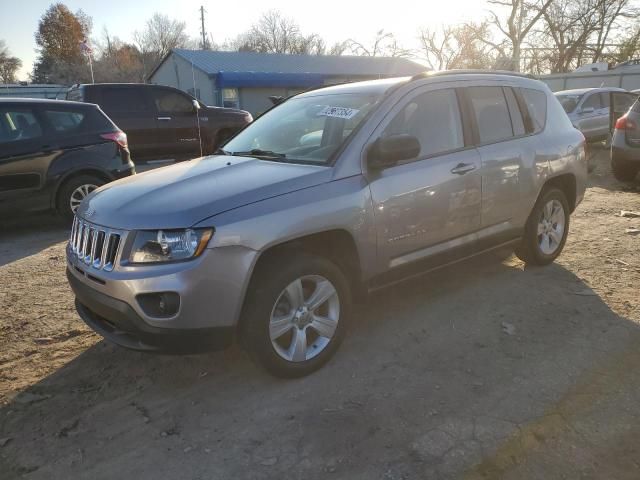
168, 245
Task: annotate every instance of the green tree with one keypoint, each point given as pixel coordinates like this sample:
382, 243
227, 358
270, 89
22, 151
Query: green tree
9, 65
59, 35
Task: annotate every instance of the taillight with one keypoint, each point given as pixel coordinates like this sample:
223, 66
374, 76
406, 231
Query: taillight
623, 123
119, 137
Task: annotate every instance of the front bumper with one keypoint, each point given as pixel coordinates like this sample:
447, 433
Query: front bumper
119, 323
211, 292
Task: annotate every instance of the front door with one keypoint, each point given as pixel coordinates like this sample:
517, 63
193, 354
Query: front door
177, 123
434, 198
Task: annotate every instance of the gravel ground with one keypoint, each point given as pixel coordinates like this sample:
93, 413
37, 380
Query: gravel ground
483, 370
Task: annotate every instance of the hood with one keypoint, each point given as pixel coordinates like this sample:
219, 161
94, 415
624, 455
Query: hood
181, 195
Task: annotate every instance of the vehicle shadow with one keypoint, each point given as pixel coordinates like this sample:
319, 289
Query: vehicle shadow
24, 236
440, 376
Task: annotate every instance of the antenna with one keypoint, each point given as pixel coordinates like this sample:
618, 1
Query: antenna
195, 92
203, 32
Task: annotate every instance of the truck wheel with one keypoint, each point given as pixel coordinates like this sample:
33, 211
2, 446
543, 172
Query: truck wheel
546, 230
295, 314
74, 191
624, 171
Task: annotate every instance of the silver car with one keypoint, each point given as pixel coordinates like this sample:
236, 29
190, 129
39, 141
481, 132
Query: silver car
332, 194
588, 110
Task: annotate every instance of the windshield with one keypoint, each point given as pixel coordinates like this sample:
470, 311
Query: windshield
307, 129
569, 102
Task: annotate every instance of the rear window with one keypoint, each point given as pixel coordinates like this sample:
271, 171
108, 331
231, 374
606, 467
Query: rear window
70, 121
18, 123
124, 100
491, 113
536, 103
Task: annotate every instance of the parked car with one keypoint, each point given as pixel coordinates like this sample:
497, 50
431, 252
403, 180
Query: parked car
271, 241
162, 122
588, 110
625, 145
53, 153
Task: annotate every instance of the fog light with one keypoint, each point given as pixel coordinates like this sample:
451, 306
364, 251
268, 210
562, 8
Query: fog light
161, 304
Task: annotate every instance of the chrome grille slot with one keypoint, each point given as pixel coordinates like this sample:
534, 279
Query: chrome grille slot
93, 245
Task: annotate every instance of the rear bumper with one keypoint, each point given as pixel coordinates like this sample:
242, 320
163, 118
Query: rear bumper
119, 323
625, 154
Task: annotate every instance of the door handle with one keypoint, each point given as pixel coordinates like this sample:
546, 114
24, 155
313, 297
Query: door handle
164, 119
463, 168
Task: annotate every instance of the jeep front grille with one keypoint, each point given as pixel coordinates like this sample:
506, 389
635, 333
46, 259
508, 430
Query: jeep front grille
94, 245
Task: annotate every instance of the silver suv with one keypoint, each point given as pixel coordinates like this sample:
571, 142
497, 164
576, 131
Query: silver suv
333, 193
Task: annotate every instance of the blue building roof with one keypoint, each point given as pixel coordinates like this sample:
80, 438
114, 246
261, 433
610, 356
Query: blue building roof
245, 69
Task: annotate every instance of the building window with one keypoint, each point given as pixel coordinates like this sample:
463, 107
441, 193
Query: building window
230, 98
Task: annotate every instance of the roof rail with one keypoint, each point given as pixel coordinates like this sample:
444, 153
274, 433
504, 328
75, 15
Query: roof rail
445, 73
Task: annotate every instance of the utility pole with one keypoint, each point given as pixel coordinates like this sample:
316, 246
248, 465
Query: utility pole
203, 32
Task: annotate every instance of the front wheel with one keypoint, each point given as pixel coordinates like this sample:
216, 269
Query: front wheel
74, 191
546, 229
296, 314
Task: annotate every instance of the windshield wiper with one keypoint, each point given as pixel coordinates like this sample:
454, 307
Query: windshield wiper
256, 152
221, 151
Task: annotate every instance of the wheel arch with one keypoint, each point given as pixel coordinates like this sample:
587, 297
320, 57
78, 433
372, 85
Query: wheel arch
76, 173
567, 183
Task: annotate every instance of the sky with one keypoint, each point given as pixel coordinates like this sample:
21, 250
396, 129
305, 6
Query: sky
334, 20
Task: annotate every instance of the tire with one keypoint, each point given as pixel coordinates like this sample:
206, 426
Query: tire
624, 171
268, 342
543, 248
73, 187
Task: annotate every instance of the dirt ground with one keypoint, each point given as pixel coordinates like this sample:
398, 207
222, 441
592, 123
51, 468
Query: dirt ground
483, 370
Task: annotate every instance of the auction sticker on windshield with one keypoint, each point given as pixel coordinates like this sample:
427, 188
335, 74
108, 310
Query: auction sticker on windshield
338, 112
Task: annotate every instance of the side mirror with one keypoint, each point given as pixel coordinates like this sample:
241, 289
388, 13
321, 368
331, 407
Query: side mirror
196, 105
587, 110
388, 151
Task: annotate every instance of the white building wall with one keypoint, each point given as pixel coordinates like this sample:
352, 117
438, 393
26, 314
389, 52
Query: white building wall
177, 72
629, 80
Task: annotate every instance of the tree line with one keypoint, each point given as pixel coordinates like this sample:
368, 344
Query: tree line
533, 36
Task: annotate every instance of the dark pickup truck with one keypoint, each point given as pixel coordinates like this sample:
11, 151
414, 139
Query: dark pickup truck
162, 122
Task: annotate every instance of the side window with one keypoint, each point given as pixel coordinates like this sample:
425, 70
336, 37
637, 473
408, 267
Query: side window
123, 100
491, 113
18, 123
168, 101
592, 101
67, 122
536, 103
434, 119
604, 99
514, 112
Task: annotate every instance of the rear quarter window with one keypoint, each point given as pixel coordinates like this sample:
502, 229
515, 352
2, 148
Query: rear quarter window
536, 104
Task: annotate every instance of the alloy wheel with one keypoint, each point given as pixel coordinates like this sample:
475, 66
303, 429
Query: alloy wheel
79, 194
551, 227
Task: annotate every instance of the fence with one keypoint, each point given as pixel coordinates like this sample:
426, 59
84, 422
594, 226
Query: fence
33, 90
627, 79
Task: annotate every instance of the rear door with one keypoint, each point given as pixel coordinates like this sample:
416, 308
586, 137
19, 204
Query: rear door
593, 116
131, 109
177, 122
500, 136
620, 104
25, 155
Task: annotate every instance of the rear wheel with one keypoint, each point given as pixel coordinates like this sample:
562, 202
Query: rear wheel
74, 191
296, 314
546, 229
624, 171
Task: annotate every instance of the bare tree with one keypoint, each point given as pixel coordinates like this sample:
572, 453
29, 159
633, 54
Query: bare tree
460, 46
277, 33
383, 44
523, 16
159, 37
9, 64
608, 13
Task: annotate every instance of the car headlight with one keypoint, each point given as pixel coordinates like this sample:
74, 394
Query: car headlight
153, 246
